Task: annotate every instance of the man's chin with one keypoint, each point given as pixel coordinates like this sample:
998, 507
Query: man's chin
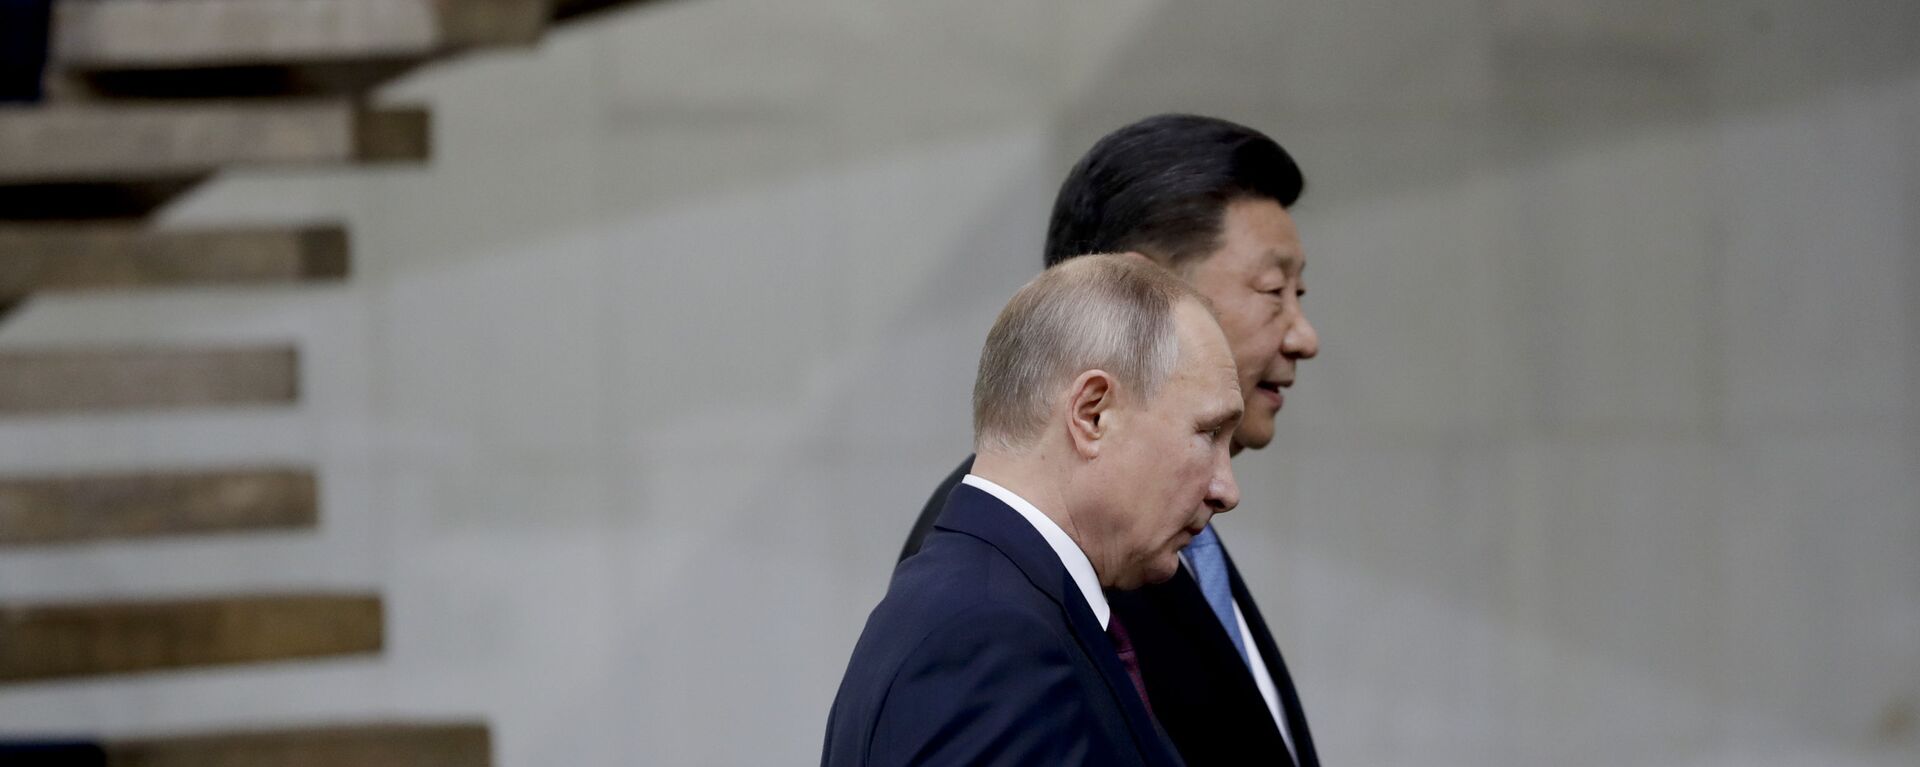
1156, 571
1160, 573
1254, 438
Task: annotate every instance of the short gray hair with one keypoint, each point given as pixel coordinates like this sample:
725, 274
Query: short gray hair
1110, 312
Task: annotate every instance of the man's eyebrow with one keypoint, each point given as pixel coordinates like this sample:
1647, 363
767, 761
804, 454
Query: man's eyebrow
1286, 258
1222, 418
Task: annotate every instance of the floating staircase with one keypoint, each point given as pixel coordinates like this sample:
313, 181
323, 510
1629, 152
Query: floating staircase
146, 100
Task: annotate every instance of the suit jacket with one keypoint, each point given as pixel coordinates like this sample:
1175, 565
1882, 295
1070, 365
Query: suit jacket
984, 651
1200, 688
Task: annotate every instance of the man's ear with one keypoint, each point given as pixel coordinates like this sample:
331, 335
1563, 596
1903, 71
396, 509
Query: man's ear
1090, 411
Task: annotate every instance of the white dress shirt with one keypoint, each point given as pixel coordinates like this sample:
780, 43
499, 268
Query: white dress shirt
1069, 552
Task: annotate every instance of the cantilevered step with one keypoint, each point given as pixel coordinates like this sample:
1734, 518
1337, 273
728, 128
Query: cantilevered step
119, 35
59, 381
90, 201
565, 10
397, 744
127, 256
149, 141
53, 641
68, 509
377, 745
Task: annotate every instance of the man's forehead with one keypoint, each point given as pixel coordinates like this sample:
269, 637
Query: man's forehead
1226, 379
1263, 230
1286, 258
1196, 326
1205, 355
1221, 404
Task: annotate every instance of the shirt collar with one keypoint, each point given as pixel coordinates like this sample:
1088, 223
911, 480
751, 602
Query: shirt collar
1069, 553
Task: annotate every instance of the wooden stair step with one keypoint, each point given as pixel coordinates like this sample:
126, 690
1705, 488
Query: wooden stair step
375, 745
388, 744
90, 201
65, 752
91, 35
40, 510
300, 80
53, 641
55, 381
568, 10
141, 142
116, 255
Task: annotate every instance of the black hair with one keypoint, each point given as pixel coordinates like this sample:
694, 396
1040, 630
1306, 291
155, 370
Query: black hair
1160, 186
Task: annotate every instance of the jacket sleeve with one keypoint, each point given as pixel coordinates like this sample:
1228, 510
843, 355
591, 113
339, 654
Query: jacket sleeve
992, 685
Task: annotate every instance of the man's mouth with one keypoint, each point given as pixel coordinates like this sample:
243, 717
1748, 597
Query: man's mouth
1272, 390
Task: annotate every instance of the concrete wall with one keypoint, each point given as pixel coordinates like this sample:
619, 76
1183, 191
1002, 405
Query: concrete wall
1610, 457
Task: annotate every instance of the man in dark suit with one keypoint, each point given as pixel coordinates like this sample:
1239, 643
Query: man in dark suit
1207, 199
1103, 414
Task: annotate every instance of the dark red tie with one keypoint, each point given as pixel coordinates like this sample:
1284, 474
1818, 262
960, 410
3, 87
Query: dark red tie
1124, 646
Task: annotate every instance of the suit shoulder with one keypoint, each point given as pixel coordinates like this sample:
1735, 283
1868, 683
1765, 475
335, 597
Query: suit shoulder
957, 594
966, 622
992, 627
929, 512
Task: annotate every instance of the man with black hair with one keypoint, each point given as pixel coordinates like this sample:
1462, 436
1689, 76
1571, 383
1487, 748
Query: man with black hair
1207, 199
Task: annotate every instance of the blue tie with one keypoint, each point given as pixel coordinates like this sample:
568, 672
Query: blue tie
1210, 568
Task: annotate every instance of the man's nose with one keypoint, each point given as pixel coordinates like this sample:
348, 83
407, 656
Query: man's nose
1222, 492
1302, 341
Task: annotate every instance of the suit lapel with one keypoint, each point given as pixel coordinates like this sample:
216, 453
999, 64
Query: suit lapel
1099, 648
1188, 658
973, 512
1276, 667
1196, 612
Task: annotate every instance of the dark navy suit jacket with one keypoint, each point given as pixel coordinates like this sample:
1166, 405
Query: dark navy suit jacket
1204, 698
985, 652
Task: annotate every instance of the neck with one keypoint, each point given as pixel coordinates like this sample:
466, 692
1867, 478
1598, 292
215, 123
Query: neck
1043, 483
1035, 478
